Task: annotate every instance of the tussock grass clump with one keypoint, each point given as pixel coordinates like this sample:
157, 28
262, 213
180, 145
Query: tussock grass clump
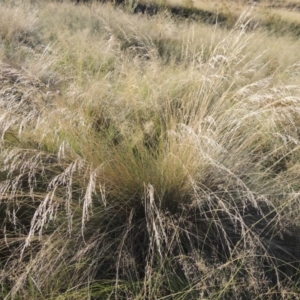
152, 174
17, 22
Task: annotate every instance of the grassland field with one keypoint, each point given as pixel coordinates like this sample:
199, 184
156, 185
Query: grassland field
149, 150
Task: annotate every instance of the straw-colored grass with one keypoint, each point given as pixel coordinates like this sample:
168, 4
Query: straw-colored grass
146, 158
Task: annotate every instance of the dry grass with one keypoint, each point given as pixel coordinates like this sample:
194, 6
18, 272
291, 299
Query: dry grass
279, 17
146, 158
